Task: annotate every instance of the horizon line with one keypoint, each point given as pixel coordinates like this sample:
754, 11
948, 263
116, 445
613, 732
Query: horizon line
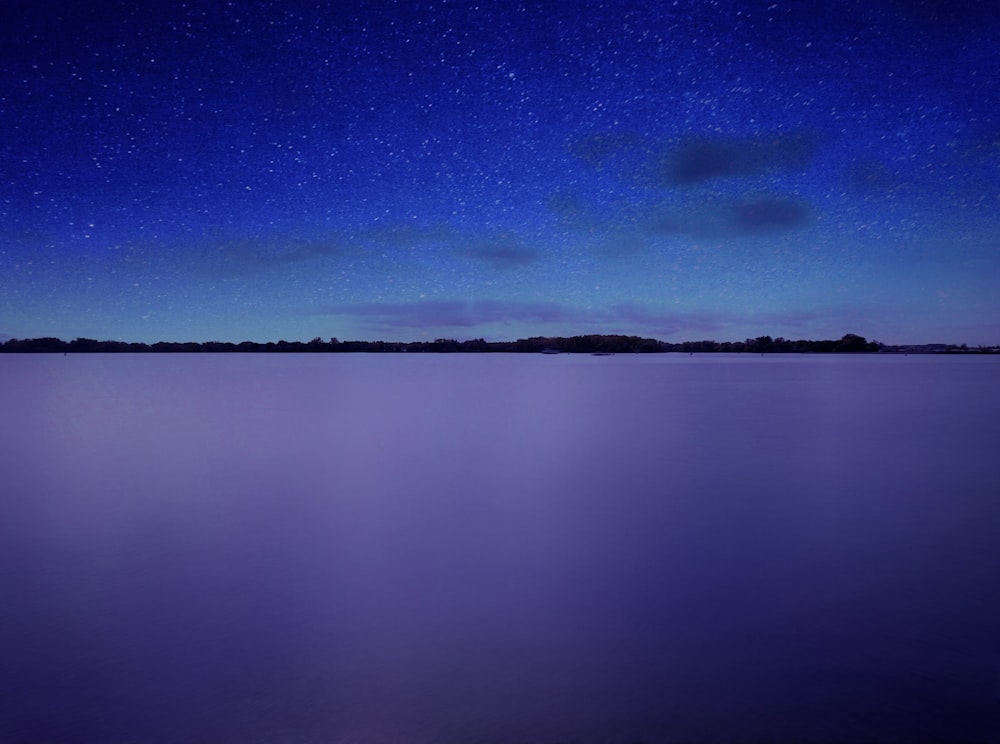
581, 342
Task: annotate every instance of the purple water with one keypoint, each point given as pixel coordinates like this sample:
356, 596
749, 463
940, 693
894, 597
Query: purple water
298, 549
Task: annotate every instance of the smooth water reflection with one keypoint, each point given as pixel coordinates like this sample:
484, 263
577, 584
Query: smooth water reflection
499, 548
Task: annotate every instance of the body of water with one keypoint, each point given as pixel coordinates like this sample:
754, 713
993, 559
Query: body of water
323, 549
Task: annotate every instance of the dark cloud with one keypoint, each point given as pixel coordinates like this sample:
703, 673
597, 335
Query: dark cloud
501, 252
700, 159
720, 216
938, 16
692, 161
768, 214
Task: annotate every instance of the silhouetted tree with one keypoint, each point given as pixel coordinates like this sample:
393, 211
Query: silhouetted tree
852, 344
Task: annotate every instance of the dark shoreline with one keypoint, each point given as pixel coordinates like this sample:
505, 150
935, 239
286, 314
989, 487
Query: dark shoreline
591, 344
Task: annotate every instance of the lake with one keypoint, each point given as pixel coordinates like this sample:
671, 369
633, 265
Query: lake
323, 549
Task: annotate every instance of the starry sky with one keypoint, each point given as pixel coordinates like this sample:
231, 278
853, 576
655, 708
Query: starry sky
194, 171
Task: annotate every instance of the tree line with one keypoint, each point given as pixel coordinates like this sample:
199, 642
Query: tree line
592, 344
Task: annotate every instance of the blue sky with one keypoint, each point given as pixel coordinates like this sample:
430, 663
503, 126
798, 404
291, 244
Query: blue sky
405, 171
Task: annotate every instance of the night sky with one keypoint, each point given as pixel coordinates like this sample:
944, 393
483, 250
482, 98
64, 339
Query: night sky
403, 171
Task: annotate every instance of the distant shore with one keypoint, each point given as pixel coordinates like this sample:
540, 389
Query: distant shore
589, 344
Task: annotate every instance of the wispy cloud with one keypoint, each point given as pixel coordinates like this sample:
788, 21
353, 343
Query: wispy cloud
694, 159
501, 251
637, 318
249, 256
678, 176
715, 216
452, 315
699, 159
402, 235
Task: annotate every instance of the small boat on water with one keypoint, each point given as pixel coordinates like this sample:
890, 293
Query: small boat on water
551, 351
603, 353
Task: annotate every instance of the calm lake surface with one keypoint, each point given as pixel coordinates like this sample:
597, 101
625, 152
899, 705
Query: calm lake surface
496, 548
